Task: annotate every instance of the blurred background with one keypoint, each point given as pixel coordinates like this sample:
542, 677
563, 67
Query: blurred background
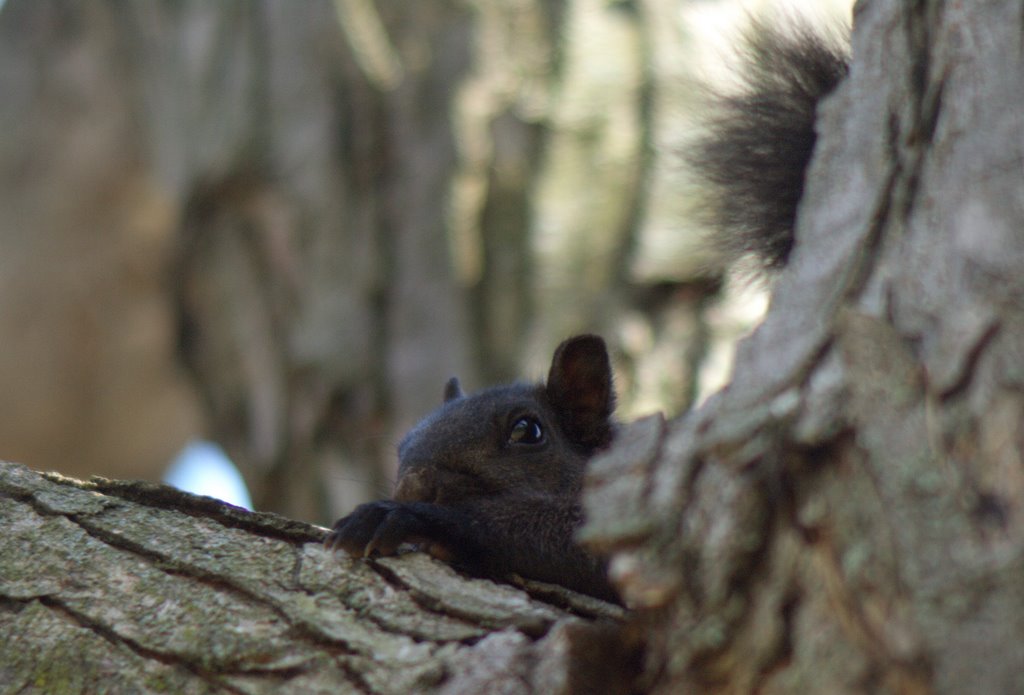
269, 231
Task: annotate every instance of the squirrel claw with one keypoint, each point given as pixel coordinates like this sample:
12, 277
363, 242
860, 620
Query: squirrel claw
375, 529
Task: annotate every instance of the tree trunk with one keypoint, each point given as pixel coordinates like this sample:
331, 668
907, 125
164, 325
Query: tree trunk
848, 514
284, 226
135, 587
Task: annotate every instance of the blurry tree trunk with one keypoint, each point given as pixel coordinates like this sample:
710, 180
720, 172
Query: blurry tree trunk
284, 225
89, 371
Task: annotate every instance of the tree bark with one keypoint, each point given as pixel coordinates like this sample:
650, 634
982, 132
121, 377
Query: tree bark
848, 514
135, 587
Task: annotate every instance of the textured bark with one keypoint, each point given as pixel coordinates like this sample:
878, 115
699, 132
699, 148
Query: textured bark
135, 587
848, 514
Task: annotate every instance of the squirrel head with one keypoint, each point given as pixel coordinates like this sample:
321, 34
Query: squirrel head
521, 438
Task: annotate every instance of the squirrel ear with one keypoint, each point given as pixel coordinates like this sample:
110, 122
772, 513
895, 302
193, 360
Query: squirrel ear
452, 390
580, 389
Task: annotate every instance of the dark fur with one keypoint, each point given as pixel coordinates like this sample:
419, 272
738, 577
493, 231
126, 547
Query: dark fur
759, 140
471, 493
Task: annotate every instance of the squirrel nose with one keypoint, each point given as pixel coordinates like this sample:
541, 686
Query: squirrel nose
416, 486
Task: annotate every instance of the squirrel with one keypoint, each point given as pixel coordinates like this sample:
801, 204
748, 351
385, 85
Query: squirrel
491, 482
757, 141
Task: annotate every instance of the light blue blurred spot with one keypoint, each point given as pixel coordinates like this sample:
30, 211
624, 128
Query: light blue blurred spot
203, 468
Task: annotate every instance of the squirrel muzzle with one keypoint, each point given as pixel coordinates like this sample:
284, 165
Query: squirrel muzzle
416, 486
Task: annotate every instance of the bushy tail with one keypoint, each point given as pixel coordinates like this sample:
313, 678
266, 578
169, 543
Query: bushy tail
759, 139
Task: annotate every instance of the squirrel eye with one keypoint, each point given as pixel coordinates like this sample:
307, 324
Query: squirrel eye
526, 430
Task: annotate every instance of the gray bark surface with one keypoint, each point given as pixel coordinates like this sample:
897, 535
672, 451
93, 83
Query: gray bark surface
114, 587
847, 516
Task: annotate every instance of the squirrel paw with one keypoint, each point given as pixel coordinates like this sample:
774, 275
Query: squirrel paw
377, 529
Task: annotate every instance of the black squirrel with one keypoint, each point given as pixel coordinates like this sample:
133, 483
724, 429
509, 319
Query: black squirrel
491, 482
758, 140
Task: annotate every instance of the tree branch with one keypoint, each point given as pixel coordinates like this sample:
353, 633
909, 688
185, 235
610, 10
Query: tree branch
108, 585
